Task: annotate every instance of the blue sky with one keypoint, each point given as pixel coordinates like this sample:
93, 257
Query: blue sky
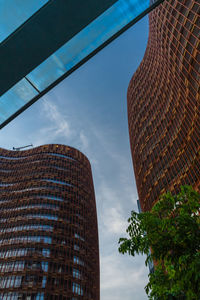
88, 111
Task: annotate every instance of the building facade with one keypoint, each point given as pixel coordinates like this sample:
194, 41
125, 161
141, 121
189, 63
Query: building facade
48, 225
164, 103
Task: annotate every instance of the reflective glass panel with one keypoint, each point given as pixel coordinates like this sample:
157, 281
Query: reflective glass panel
13, 13
15, 98
68, 57
85, 42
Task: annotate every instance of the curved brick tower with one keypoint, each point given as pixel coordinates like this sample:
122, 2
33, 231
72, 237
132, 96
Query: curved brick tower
164, 103
48, 225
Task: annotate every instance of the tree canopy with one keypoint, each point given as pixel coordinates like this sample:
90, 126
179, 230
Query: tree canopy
172, 231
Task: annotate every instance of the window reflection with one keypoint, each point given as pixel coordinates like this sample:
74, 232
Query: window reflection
27, 227
77, 289
24, 252
15, 98
26, 239
78, 261
12, 15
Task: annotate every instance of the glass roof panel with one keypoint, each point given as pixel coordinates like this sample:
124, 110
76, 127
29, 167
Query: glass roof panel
85, 42
13, 13
19, 95
83, 45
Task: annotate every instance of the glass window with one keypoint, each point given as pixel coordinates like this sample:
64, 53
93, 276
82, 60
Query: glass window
44, 280
76, 247
86, 41
79, 237
77, 289
77, 260
76, 274
13, 14
15, 98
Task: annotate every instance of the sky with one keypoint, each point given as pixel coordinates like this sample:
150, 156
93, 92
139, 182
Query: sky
88, 111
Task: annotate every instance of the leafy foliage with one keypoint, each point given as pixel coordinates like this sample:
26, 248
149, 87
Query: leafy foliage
172, 231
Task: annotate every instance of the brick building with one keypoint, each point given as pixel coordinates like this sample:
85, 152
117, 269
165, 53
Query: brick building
164, 103
48, 225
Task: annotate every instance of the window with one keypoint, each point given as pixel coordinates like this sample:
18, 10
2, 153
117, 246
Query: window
78, 261
76, 274
79, 237
76, 247
45, 266
44, 280
77, 289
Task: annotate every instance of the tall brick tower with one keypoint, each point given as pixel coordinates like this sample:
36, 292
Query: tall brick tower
164, 103
48, 225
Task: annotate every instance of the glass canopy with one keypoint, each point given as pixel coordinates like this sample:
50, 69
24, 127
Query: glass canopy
44, 41
14, 13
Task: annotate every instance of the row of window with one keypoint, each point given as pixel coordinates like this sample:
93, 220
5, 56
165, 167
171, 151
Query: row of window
20, 296
27, 227
21, 281
18, 252
46, 187
6, 184
14, 266
24, 252
33, 202
36, 196
10, 281
57, 181
40, 167
37, 154
32, 205
40, 180
40, 216
42, 265
27, 189
26, 239
75, 197
30, 280
51, 197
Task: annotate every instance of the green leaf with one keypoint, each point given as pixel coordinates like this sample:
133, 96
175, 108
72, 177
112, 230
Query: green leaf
172, 232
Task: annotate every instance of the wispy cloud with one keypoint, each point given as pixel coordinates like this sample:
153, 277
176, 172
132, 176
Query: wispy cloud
84, 141
60, 125
111, 214
114, 221
56, 126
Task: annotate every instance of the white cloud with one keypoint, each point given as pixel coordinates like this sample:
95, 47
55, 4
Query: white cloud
122, 277
58, 119
114, 221
84, 141
112, 214
56, 125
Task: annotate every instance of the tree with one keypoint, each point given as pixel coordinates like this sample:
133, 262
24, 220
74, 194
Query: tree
172, 231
